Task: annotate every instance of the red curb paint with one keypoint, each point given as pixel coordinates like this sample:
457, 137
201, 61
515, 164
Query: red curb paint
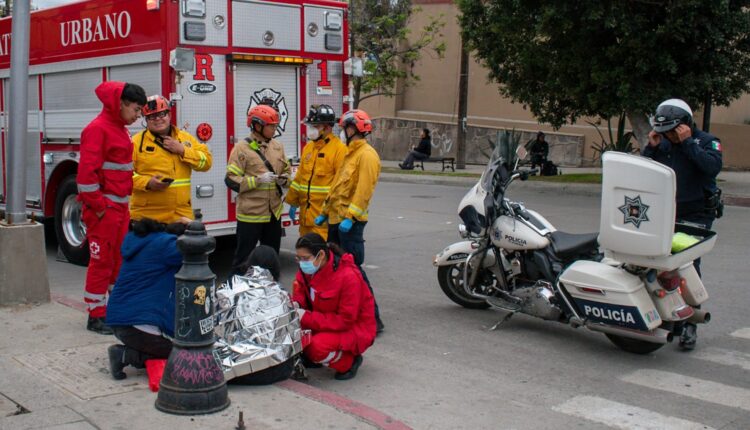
67, 301
351, 407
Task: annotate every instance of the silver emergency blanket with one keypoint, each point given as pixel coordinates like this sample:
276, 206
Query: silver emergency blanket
256, 324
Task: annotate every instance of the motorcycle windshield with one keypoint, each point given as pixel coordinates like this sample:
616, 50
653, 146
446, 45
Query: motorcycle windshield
495, 173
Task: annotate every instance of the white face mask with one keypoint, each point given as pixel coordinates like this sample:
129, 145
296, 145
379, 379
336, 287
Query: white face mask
312, 133
342, 136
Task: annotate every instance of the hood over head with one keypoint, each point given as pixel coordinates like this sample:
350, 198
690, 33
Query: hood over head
109, 94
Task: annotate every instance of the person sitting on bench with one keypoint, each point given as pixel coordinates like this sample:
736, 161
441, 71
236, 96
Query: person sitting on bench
418, 152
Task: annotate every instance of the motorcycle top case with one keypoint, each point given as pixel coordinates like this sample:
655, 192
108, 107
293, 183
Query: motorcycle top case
638, 206
610, 295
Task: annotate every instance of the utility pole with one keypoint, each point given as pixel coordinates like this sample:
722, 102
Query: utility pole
463, 96
21, 240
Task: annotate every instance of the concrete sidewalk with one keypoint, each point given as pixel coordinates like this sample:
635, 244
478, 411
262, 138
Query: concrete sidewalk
55, 375
735, 185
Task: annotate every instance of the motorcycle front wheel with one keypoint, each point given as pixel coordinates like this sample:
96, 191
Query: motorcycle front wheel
452, 284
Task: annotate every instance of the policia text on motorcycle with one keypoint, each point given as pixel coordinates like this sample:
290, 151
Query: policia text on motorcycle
695, 157
320, 162
257, 170
163, 158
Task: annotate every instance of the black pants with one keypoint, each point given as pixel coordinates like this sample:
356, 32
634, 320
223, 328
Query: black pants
248, 235
538, 160
353, 242
141, 346
414, 155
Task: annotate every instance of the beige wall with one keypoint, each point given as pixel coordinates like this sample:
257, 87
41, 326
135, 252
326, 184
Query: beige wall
435, 98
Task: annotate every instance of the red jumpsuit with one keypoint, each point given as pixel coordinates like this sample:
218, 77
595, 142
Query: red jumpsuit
340, 312
105, 182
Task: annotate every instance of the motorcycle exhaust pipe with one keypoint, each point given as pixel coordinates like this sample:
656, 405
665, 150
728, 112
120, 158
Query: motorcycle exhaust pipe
700, 317
658, 335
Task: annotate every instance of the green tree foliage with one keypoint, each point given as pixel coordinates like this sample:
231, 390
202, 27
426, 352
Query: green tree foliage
379, 33
567, 59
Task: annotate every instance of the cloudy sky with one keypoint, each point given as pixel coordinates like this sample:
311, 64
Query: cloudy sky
49, 3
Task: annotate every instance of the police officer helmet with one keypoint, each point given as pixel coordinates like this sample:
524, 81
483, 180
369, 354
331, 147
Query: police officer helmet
671, 113
320, 114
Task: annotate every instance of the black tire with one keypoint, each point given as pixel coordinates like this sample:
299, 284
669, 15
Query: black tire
69, 228
267, 376
451, 282
634, 346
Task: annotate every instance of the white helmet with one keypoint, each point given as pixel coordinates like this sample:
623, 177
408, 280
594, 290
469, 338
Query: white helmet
671, 113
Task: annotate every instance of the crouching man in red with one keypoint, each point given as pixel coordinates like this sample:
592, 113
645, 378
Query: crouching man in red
335, 304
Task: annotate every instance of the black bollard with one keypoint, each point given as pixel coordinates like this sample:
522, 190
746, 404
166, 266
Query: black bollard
193, 382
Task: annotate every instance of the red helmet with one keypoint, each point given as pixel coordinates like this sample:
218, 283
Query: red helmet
155, 104
358, 118
262, 115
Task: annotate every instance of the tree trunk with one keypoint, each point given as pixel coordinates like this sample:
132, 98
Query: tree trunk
641, 127
357, 92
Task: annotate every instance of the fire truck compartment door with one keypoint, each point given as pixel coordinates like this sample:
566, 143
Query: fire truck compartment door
252, 83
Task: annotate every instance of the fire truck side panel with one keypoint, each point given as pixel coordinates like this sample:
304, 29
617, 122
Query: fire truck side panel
321, 24
205, 101
33, 164
253, 82
214, 24
256, 25
147, 75
318, 93
69, 103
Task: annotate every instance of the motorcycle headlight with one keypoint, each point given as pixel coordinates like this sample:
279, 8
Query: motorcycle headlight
463, 231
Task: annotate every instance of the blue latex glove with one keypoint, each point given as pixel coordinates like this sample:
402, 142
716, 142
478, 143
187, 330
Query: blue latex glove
320, 219
292, 212
346, 225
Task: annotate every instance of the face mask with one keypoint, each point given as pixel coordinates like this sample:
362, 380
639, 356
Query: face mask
309, 267
312, 133
342, 136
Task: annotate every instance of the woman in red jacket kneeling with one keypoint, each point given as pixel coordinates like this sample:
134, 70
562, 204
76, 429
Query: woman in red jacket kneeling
335, 304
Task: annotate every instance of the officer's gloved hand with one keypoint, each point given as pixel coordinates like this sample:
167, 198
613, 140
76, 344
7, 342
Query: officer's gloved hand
346, 225
292, 212
320, 219
266, 178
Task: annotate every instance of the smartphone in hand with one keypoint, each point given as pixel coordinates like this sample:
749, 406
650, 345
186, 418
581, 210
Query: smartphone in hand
167, 180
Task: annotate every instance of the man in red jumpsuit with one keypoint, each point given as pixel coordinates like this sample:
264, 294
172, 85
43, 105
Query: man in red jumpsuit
105, 181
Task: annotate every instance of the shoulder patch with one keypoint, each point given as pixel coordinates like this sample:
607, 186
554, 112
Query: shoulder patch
716, 145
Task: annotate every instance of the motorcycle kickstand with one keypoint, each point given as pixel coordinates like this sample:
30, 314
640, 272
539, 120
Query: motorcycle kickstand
505, 318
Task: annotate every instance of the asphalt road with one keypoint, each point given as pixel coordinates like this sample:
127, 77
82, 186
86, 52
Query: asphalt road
438, 366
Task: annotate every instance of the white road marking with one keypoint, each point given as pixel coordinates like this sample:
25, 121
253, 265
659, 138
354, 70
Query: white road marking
743, 333
726, 357
708, 391
371, 266
620, 415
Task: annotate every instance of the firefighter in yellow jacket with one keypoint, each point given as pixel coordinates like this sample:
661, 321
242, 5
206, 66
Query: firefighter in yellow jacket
345, 208
257, 170
163, 160
321, 159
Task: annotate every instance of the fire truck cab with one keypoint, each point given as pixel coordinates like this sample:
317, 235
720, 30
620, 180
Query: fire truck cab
213, 59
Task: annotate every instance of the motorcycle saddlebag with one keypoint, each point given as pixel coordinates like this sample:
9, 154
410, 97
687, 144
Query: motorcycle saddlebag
610, 295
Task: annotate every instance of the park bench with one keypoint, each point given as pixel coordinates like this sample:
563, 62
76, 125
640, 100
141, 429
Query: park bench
447, 162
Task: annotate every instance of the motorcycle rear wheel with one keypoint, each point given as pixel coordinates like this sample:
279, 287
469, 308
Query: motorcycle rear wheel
451, 282
634, 346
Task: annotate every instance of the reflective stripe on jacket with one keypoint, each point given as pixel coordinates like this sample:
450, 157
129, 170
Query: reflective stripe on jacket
320, 161
354, 184
149, 160
256, 202
105, 171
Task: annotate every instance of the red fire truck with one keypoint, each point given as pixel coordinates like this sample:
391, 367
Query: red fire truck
215, 59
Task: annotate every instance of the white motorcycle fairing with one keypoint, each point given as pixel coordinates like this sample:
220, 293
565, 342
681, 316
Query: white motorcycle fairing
459, 252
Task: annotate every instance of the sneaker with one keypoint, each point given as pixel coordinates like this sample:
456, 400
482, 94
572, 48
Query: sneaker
401, 166
379, 326
352, 372
689, 337
116, 355
97, 325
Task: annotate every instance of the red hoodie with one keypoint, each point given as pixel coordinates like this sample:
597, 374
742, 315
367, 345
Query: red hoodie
105, 173
338, 301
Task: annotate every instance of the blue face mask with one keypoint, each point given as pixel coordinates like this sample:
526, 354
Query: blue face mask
308, 267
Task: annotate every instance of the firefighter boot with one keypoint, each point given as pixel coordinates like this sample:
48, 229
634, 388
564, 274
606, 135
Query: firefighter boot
352, 372
116, 355
97, 325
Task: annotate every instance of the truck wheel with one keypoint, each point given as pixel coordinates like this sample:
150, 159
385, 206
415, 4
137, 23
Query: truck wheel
634, 346
451, 282
69, 228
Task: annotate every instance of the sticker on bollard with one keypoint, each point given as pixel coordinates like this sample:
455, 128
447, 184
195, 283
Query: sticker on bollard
193, 382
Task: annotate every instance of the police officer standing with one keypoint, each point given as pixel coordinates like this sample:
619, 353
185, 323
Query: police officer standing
695, 156
320, 161
163, 159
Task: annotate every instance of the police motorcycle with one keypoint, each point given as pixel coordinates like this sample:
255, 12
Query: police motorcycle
628, 281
